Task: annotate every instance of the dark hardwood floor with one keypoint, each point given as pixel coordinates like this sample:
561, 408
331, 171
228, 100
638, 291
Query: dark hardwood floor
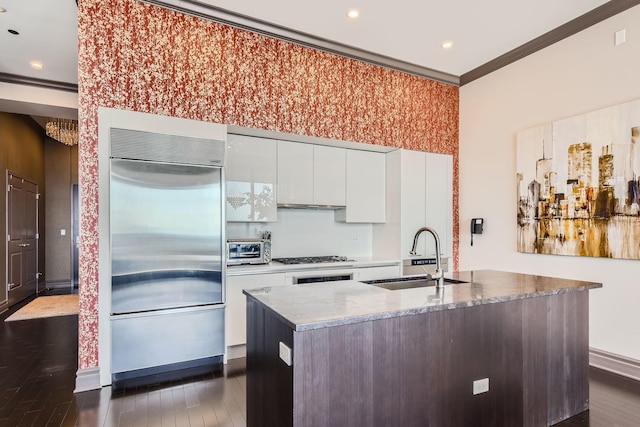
38, 362
613, 401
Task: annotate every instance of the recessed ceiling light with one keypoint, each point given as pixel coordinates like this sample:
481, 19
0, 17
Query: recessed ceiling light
2, 10
353, 13
14, 32
36, 65
447, 44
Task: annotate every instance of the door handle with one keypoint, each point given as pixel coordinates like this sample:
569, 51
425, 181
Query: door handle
24, 245
12, 285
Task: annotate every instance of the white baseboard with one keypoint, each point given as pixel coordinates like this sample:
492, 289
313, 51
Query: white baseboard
87, 379
617, 364
236, 351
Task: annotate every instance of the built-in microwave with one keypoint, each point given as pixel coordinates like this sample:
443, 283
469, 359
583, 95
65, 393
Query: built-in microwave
248, 251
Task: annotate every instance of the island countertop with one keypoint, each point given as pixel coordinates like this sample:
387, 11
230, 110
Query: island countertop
321, 305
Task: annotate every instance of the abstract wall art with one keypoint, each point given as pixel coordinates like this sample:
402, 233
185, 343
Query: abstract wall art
578, 185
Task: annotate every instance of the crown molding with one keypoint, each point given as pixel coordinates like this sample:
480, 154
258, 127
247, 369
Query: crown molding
32, 81
236, 20
599, 14
226, 17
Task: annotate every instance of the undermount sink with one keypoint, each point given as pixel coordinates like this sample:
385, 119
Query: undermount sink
408, 282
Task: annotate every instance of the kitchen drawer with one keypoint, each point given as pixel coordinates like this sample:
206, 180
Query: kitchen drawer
165, 337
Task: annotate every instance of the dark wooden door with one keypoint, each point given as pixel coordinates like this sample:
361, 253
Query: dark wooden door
75, 237
22, 238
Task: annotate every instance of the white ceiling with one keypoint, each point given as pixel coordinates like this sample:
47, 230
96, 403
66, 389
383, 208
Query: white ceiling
413, 31
48, 33
407, 30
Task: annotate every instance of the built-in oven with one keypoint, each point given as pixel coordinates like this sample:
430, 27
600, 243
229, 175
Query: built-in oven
320, 275
341, 269
297, 280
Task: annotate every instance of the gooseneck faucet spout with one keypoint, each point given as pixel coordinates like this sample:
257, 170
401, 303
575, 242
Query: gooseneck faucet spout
438, 274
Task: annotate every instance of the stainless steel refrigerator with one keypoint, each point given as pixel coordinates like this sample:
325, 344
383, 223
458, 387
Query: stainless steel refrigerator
167, 254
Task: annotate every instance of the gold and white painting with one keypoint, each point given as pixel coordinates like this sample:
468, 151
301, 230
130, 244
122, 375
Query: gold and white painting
578, 185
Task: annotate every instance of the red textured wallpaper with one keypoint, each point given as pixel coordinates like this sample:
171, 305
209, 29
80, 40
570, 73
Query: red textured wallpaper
139, 57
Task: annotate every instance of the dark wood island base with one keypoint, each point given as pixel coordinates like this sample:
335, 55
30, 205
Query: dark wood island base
417, 368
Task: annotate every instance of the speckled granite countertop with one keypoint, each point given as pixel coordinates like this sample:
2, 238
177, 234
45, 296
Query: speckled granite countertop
321, 305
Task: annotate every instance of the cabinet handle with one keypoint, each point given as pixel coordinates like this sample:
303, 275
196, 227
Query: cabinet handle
24, 245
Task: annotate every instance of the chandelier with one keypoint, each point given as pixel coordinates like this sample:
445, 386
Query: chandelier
63, 130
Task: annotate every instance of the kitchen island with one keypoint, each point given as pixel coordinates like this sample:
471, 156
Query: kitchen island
354, 354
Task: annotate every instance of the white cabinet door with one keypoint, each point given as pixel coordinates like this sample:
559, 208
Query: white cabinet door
295, 173
236, 324
426, 188
365, 188
311, 174
329, 175
413, 200
439, 201
374, 273
250, 178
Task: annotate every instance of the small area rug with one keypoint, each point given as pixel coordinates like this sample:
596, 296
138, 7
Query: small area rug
47, 306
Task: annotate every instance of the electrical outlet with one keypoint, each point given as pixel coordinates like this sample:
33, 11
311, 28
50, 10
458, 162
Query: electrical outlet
285, 354
481, 386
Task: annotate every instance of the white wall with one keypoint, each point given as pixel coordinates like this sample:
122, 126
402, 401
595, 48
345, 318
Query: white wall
583, 73
308, 232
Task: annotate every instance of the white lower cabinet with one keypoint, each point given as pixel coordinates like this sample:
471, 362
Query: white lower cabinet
236, 324
373, 273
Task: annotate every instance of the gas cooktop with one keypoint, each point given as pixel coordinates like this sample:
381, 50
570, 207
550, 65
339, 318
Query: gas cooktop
312, 259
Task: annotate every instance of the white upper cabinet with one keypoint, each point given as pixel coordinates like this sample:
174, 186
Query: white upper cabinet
366, 189
311, 174
295, 173
262, 174
251, 176
329, 175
